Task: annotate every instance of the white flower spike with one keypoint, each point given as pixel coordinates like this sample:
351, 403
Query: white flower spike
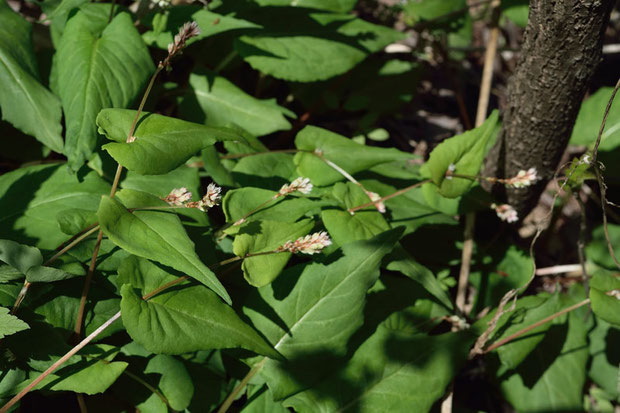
375, 197
310, 244
211, 198
300, 184
178, 197
523, 178
505, 212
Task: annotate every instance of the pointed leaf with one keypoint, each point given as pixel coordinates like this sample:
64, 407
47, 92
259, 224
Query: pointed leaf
94, 70
222, 103
590, 118
182, 319
466, 152
25, 102
323, 308
156, 235
175, 383
162, 143
347, 154
604, 291
262, 236
9, 324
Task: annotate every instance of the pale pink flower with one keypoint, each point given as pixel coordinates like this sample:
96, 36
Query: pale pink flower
310, 244
211, 198
375, 197
300, 184
186, 32
178, 197
450, 171
522, 179
505, 212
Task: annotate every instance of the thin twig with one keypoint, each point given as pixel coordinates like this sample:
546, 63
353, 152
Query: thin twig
59, 363
89, 276
148, 386
233, 395
581, 243
533, 326
390, 196
559, 269
602, 128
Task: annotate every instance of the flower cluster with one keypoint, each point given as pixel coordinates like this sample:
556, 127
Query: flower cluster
310, 244
505, 212
300, 184
522, 179
181, 196
162, 3
186, 32
450, 171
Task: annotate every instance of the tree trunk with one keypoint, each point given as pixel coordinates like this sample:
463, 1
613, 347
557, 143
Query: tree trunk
561, 49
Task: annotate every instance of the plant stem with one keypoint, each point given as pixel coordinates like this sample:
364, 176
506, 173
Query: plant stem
390, 196
59, 363
533, 326
148, 386
233, 395
89, 276
165, 287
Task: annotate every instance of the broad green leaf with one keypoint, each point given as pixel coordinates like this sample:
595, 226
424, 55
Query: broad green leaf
344, 227
175, 383
182, 319
8, 273
92, 372
466, 152
263, 236
391, 371
348, 155
415, 10
516, 10
25, 102
239, 202
166, 25
9, 324
156, 235
266, 170
401, 261
162, 143
261, 401
97, 69
590, 118
72, 221
597, 249
215, 167
552, 377
528, 311
222, 103
28, 261
10, 379
605, 355
301, 45
161, 185
322, 309
605, 296
342, 6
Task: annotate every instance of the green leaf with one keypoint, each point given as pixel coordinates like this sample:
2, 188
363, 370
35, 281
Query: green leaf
552, 377
516, 10
31, 197
430, 10
590, 118
97, 69
156, 235
222, 103
162, 143
605, 305
391, 371
528, 311
265, 170
25, 102
342, 6
263, 236
175, 383
597, 249
28, 261
92, 374
72, 221
348, 155
466, 152
337, 42
323, 308
183, 319
605, 356
261, 401
344, 227
9, 324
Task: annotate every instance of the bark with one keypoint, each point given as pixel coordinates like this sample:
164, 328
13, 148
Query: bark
561, 49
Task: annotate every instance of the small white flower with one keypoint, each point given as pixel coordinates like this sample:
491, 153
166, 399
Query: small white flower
375, 197
211, 198
614, 293
585, 159
523, 179
300, 184
178, 196
505, 212
310, 244
450, 171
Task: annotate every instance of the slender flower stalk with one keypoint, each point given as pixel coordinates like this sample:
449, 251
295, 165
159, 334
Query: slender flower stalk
521, 180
